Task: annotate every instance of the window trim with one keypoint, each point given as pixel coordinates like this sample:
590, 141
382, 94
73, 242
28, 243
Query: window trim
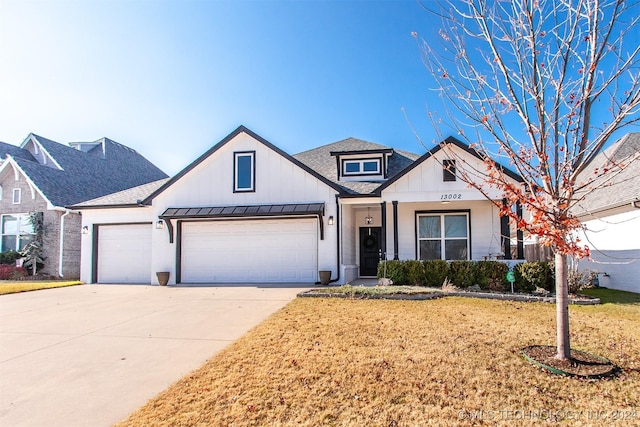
449, 170
17, 196
19, 217
361, 162
236, 156
442, 213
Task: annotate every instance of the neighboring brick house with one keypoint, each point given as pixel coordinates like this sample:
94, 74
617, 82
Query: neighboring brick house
42, 175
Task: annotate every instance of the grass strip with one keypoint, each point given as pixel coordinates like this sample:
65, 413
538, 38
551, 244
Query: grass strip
15, 287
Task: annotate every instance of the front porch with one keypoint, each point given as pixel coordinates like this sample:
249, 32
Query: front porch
372, 230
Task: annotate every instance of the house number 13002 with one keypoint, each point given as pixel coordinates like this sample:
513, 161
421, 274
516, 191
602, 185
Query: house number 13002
454, 196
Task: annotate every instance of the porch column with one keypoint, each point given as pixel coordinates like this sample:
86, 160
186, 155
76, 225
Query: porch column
519, 234
383, 220
505, 233
395, 229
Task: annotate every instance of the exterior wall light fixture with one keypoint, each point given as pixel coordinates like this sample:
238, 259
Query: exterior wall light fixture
160, 224
330, 220
85, 230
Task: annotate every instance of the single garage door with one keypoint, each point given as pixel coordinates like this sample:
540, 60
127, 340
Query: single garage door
282, 250
124, 253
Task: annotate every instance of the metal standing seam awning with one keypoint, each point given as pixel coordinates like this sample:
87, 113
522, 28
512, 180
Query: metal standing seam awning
251, 211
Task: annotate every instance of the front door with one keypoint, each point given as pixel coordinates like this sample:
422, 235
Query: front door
370, 245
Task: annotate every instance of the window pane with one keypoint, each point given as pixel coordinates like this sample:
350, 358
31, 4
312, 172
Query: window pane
8, 243
429, 227
352, 167
244, 172
24, 241
430, 249
9, 224
455, 249
25, 225
370, 166
455, 226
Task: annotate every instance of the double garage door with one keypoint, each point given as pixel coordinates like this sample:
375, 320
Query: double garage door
282, 250
232, 251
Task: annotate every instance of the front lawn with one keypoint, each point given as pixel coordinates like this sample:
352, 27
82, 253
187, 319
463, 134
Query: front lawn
25, 286
448, 361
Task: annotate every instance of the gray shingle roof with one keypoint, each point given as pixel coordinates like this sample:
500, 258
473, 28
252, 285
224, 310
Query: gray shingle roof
320, 160
85, 175
14, 151
131, 196
617, 188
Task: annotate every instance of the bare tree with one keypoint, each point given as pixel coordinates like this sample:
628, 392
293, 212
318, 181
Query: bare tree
541, 86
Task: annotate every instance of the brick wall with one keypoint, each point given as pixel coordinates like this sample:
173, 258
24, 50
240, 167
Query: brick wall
34, 202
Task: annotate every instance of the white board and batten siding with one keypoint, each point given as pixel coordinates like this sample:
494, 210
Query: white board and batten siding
124, 253
270, 250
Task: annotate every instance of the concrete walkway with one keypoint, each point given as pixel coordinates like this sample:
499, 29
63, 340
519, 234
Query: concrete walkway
89, 355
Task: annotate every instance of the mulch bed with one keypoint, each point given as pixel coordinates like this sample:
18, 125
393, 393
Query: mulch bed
580, 364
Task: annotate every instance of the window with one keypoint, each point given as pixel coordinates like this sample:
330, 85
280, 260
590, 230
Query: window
443, 236
17, 232
17, 196
448, 170
361, 167
244, 168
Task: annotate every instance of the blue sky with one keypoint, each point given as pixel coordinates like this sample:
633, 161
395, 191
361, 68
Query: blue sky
171, 78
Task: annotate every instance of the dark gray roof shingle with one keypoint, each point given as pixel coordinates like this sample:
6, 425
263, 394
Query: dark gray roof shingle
86, 175
617, 187
320, 160
131, 196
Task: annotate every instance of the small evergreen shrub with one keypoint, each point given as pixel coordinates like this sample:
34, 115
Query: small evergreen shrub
461, 273
530, 275
9, 257
491, 275
395, 271
435, 272
414, 271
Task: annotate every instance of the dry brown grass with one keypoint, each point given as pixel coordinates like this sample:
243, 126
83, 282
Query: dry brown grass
377, 362
27, 286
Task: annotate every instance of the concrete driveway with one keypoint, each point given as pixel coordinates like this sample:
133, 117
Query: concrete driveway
89, 355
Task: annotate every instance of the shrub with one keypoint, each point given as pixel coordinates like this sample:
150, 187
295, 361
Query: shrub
414, 272
491, 275
435, 271
9, 257
395, 271
530, 275
11, 272
581, 280
461, 273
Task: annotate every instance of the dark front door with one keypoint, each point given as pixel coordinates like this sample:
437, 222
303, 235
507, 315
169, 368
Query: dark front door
370, 245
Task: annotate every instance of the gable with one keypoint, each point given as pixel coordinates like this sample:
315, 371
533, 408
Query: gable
425, 179
13, 177
278, 178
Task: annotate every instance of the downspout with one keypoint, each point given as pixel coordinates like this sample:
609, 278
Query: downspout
338, 210
61, 248
61, 242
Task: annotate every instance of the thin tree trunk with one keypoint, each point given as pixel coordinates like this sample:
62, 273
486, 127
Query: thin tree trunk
562, 308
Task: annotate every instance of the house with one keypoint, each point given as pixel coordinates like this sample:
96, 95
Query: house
610, 213
42, 175
246, 211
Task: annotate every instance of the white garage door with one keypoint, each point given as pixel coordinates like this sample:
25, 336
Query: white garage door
124, 253
250, 251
